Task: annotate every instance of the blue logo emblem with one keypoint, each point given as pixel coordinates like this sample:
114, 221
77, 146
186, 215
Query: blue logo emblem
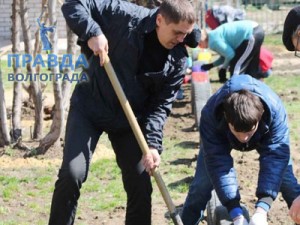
47, 46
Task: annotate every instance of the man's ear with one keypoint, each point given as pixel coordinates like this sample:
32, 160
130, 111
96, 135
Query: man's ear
159, 19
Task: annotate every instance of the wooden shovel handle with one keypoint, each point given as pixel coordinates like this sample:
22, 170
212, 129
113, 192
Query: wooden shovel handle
140, 138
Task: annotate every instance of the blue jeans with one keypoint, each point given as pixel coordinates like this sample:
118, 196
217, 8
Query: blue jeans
198, 196
200, 192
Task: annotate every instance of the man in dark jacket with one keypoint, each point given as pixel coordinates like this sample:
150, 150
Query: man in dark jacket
244, 114
147, 49
291, 40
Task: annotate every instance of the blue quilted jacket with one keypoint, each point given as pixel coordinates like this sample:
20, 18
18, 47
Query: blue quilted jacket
271, 141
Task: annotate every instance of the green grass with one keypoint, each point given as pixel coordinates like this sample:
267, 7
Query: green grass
274, 39
9, 222
9, 186
283, 83
103, 191
3, 210
287, 87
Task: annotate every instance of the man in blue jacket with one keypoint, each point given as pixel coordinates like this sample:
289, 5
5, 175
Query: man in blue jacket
244, 114
147, 49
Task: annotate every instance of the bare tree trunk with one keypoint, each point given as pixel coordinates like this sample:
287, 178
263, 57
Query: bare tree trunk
35, 86
38, 43
5, 138
57, 123
16, 131
66, 85
2, 143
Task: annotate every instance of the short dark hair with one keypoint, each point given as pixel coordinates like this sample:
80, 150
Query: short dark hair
243, 110
175, 11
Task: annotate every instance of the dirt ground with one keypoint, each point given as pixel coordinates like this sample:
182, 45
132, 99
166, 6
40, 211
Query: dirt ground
179, 124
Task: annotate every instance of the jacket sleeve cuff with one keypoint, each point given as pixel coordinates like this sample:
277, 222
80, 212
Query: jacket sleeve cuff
93, 33
264, 203
159, 148
235, 212
234, 203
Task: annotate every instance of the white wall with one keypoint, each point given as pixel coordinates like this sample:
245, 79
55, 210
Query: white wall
34, 11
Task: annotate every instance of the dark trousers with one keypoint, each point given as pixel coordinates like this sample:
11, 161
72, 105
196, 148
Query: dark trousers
250, 65
80, 142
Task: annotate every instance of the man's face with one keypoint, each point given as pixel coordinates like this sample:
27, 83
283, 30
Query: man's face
169, 35
243, 137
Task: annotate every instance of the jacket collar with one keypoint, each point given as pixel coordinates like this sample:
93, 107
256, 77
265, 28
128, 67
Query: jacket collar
149, 23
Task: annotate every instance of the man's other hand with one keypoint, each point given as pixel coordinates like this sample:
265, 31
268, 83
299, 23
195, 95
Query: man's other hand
151, 161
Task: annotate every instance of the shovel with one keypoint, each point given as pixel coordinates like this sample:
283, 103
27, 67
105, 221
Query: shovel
141, 139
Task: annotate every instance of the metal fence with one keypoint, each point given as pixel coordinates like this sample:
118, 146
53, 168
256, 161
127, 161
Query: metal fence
268, 13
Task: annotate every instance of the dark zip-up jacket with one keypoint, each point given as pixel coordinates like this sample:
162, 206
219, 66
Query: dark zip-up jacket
150, 94
271, 140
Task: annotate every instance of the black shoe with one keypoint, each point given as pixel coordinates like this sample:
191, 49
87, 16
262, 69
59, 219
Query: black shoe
222, 80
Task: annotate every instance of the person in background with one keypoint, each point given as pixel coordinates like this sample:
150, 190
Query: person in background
220, 14
238, 44
244, 114
147, 48
291, 40
291, 31
265, 63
